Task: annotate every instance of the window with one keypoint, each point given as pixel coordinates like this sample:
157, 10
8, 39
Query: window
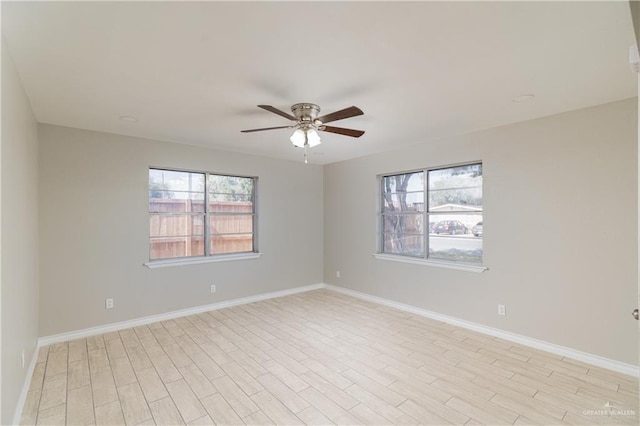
200, 214
433, 214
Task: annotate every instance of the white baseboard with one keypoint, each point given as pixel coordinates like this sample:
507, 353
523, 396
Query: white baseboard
25, 387
86, 332
620, 367
609, 364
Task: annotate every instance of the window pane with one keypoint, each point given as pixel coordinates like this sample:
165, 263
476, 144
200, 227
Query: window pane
231, 233
230, 194
402, 193
175, 192
179, 225
403, 234
453, 237
169, 180
456, 189
170, 247
231, 224
231, 243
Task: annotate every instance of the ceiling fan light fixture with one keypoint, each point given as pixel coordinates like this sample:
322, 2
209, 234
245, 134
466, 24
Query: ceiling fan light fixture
313, 138
297, 138
307, 124
309, 137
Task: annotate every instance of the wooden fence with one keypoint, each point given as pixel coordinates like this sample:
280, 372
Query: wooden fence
176, 228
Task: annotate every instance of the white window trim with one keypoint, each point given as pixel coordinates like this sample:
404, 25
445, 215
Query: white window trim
208, 257
181, 261
430, 262
426, 261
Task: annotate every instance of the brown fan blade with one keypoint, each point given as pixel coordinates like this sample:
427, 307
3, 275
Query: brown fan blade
352, 111
266, 128
343, 131
277, 111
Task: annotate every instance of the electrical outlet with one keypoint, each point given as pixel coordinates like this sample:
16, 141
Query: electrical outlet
502, 310
337, 274
213, 288
108, 304
22, 359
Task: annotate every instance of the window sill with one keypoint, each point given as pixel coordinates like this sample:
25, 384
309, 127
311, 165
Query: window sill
435, 263
201, 259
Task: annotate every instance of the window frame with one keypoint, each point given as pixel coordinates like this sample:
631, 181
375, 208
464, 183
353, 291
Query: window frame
425, 259
208, 215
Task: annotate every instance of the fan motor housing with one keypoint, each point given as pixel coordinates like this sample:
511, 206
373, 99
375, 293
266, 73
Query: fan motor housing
305, 112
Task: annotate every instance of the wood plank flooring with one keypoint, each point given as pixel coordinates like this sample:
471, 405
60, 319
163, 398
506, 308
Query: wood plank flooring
316, 358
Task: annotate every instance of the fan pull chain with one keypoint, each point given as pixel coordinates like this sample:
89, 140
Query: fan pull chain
306, 145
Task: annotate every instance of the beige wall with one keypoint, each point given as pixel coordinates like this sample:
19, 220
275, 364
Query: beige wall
560, 203
19, 213
94, 229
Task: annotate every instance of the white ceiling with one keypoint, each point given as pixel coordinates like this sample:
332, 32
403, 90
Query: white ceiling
194, 72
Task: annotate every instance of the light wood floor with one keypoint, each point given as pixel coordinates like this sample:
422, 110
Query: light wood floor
317, 358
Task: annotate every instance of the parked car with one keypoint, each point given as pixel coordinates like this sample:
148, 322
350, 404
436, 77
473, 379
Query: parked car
450, 227
432, 227
477, 229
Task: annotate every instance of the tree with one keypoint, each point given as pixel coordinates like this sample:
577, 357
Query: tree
460, 189
227, 188
396, 223
159, 190
456, 185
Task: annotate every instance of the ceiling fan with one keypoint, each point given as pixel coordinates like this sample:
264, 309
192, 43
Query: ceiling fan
308, 124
